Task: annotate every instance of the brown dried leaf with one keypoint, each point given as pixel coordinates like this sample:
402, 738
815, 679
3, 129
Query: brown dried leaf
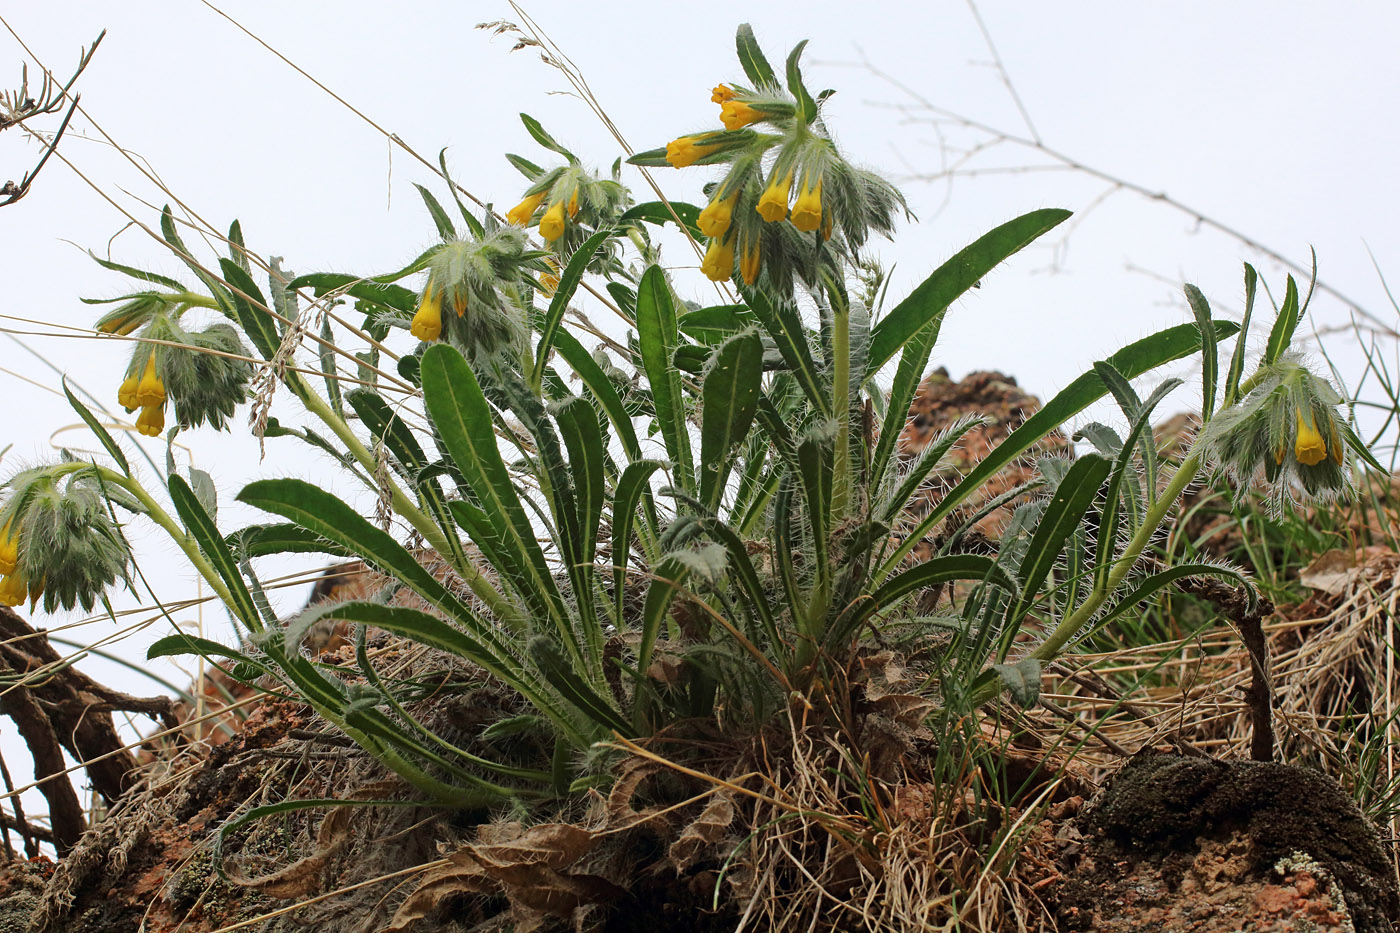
302, 877
1331, 572
704, 831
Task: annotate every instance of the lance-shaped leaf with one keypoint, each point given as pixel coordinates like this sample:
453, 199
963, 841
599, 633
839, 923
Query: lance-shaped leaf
729, 395
564, 293
932, 297
1284, 325
784, 325
659, 338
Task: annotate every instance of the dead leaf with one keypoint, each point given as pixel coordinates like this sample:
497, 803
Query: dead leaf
1331, 572
704, 831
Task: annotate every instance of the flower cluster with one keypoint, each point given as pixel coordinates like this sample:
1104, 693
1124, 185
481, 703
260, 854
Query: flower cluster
205, 373
785, 185
565, 200
58, 539
1290, 428
476, 293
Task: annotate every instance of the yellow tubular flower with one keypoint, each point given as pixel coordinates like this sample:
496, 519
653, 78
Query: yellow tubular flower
719, 261
552, 224
126, 394
722, 94
715, 218
427, 321
521, 213
13, 590
807, 211
1336, 441
9, 549
573, 204
121, 325
688, 150
737, 113
151, 421
773, 206
1309, 448
749, 262
150, 390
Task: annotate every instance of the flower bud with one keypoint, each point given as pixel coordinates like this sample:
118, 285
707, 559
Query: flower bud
126, 393
715, 218
552, 224
151, 421
719, 261
749, 261
9, 548
807, 211
721, 94
773, 205
688, 150
427, 322
737, 113
150, 390
521, 213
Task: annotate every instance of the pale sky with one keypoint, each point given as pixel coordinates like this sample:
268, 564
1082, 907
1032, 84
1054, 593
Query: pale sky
1277, 119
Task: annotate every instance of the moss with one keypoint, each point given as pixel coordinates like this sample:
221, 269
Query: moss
1164, 801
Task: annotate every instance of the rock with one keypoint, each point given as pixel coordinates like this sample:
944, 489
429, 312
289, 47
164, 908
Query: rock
1176, 844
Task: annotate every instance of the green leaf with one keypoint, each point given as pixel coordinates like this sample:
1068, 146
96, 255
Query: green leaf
202, 484
544, 139
806, 107
1073, 498
382, 293
583, 438
715, 324
784, 325
1131, 361
633, 486
464, 421
668, 577
139, 274
524, 166
178, 645
1236, 373
660, 212
1284, 325
907, 378
928, 461
742, 569
556, 667
930, 300
250, 310
1021, 680
321, 513
216, 289
1166, 577
934, 572
752, 60
326, 351
201, 527
473, 224
1210, 352
564, 293
441, 220
657, 334
729, 400
107, 441
237, 249
262, 540
598, 383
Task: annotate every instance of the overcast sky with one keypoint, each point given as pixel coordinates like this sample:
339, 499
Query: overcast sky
1276, 119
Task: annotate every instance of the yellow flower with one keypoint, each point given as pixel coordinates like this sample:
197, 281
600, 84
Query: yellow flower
1309, 448
749, 262
807, 211
688, 150
150, 390
552, 224
427, 321
573, 204
826, 226
151, 421
122, 325
722, 94
737, 113
459, 303
715, 218
521, 213
13, 589
126, 393
549, 281
9, 549
773, 206
719, 261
